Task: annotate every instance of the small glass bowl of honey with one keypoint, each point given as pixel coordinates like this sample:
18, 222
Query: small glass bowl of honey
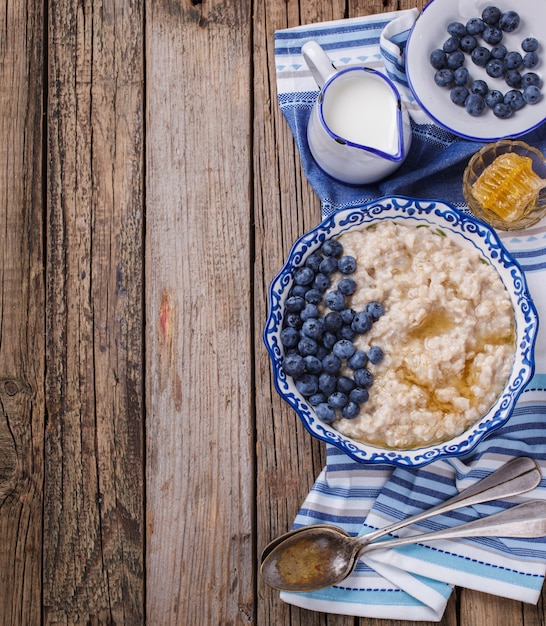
504, 184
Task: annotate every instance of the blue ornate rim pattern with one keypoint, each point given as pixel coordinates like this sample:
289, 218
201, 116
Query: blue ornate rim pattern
467, 232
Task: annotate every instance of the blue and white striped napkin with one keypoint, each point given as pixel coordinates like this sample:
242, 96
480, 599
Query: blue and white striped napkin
415, 582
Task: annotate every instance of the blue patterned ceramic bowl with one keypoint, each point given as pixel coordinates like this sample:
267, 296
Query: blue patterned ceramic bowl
467, 232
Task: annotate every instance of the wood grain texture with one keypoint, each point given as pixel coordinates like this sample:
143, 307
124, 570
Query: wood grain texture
22, 301
200, 416
93, 517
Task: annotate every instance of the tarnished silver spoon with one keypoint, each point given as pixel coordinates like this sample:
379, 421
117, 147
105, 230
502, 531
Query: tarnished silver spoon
325, 556
295, 548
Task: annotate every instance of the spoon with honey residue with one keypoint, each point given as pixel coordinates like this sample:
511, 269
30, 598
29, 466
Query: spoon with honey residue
314, 557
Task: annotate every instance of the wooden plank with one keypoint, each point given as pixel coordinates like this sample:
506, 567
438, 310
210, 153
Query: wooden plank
21, 312
93, 516
285, 206
200, 469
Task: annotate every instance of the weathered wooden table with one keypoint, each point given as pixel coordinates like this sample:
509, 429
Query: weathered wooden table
149, 191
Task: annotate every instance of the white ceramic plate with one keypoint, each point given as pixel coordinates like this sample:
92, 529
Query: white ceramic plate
467, 232
430, 32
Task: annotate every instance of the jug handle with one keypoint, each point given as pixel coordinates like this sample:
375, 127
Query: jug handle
318, 62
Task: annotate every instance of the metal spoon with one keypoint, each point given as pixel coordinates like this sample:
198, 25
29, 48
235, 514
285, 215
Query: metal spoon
517, 476
324, 557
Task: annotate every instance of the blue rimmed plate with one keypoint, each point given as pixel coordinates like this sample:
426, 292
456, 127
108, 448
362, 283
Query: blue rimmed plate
430, 32
466, 232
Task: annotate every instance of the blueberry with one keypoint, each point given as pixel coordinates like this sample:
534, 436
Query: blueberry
513, 60
309, 311
530, 60
375, 310
529, 44
514, 99
513, 79
532, 94
327, 383
495, 68
313, 295
289, 337
331, 364
493, 97
475, 105
333, 321
325, 413
530, 78
313, 328
294, 320
347, 264
444, 78
458, 95
332, 247
313, 365
502, 111
313, 261
294, 304
475, 26
307, 384
328, 340
461, 76
362, 322
499, 51
345, 384
491, 14
455, 59
347, 316
451, 44
363, 378
438, 59
307, 346
480, 87
346, 332
344, 349
328, 265
468, 43
298, 290
350, 410
322, 282
492, 35
293, 365
347, 286
316, 399
359, 395
337, 400
335, 300
509, 21
304, 276
456, 28
322, 351
358, 360
480, 56
375, 354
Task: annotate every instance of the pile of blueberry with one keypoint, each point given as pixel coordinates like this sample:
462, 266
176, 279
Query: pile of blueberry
319, 348
497, 61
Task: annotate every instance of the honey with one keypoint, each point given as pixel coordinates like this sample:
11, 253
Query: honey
508, 187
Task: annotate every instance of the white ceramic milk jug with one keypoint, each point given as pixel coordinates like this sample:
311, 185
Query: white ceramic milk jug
359, 130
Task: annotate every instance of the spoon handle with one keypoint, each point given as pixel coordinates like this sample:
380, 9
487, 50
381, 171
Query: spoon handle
517, 476
526, 520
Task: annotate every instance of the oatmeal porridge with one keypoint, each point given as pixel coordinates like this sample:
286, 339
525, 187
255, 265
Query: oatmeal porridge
447, 335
